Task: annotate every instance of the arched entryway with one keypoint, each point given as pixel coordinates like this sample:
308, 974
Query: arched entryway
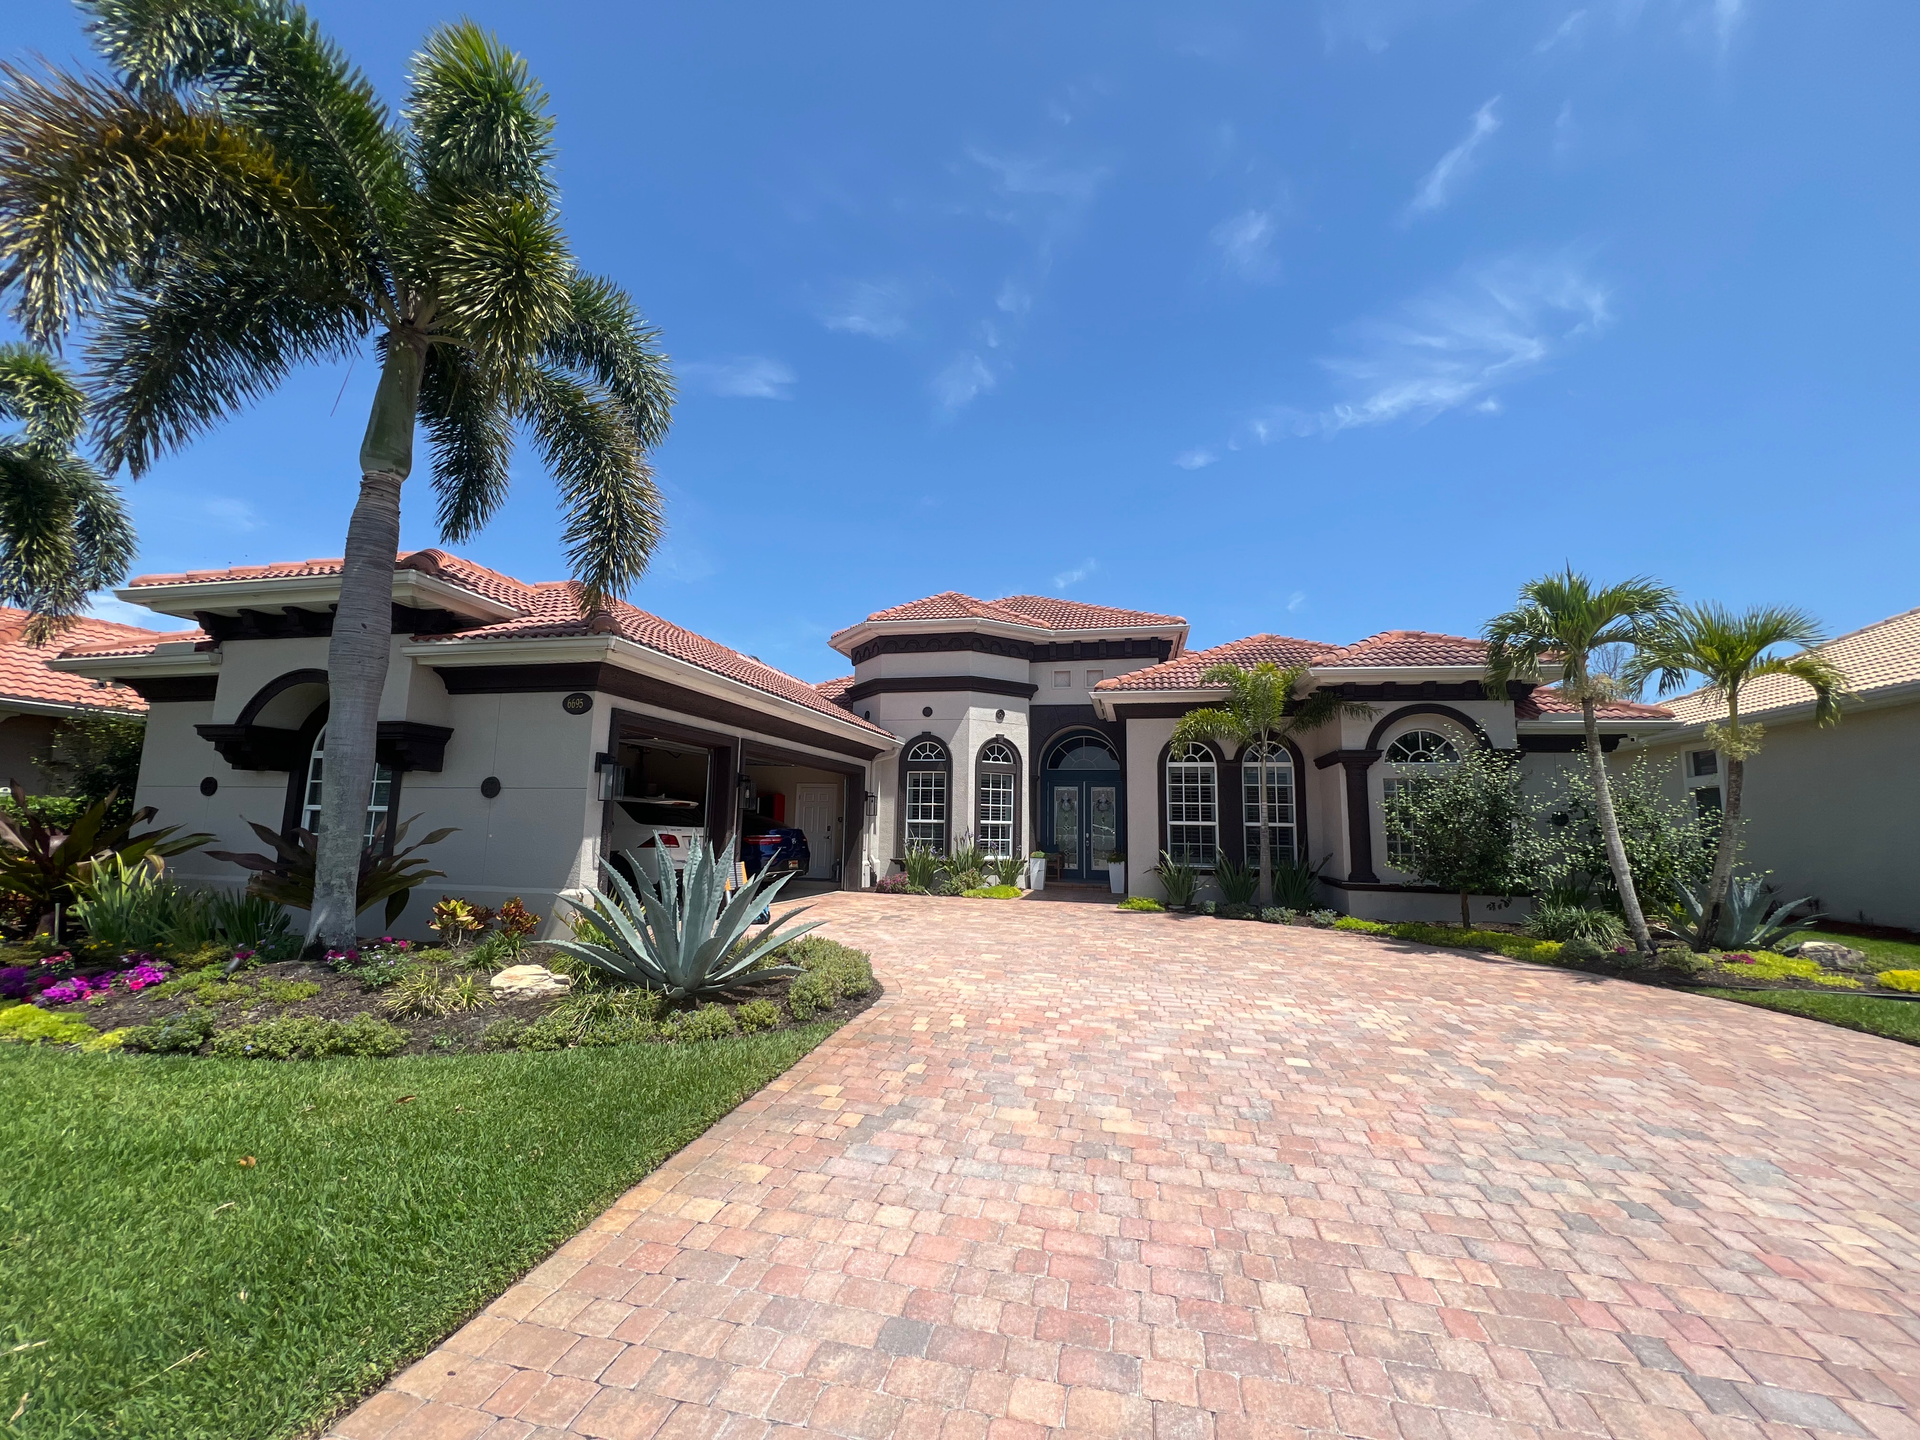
1082, 797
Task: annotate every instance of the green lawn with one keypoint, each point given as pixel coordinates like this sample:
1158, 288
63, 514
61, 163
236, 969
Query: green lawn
1895, 1019
1886, 954
151, 1284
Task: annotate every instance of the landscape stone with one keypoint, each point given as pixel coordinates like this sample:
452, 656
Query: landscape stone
1831, 956
518, 981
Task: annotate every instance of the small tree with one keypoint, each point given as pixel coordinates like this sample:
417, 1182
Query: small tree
1470, 828
1260, 711
95, 756
1666, 844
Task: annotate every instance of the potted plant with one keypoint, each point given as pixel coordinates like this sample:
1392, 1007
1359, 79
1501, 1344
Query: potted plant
1117, 872
1037, 870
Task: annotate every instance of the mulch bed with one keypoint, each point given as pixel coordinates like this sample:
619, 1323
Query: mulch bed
342, 997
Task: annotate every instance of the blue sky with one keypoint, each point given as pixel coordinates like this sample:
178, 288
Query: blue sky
1316, 318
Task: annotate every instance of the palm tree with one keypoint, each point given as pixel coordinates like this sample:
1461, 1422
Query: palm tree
1728, 651
1260, 710
238, 201
1564, 619
63, 531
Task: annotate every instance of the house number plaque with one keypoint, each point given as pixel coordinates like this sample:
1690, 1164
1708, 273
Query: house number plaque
578, 703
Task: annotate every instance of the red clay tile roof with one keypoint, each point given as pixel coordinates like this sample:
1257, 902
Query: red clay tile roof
1547, 700
833, 689
1410, 648
438, 563
23, 668
1879, 656
555, 612
1184, 673
1041, 612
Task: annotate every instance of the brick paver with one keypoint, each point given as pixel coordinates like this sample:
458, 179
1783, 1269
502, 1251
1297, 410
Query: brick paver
1088, 1173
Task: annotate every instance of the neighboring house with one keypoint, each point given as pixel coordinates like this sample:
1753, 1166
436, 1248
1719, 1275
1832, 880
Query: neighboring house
34, 699
1025, 723
1832, 813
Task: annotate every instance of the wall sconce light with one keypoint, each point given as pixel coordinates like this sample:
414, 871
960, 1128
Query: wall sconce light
873, 805
607, 769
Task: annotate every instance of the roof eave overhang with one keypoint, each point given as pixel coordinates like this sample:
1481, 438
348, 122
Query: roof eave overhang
615, 650
1573, 724
176, 658
22, 705
846, 640
1906, 693
229, 597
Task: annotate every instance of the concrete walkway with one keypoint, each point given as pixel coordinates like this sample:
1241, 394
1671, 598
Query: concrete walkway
1089, 1173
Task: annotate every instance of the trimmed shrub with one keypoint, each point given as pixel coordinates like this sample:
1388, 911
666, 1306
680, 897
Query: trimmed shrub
757, 1015
709, 1022
1277, 915
992, 892
185, 1032
809, 995
1144, 903
307, 1037
30, 1025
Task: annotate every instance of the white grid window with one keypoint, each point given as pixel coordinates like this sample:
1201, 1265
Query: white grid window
927, 798
1279, 802
996, 812
1193, 810
379, 800
1414, 754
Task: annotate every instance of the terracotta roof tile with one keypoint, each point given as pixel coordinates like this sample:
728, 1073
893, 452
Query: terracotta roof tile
438, 563
1409, 648
23, 668
1547, 700
1184, 673
1042, 612
555, 612
1875, 657
833, 689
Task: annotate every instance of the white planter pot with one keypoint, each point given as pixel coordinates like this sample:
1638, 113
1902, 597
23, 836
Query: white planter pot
1117, 875
1037, 873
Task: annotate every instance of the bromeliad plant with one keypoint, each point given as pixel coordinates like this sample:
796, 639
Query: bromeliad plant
286, 876
50, 866
685, 937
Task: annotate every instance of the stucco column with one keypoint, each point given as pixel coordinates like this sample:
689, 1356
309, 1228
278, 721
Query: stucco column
1359, 813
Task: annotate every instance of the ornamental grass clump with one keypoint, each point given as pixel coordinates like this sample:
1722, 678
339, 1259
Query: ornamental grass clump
685, 938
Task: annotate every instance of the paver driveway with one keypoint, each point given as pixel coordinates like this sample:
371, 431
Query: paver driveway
1109, 1174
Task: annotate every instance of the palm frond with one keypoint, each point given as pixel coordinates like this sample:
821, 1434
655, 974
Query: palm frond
470, 428
205, 338
500, 268
96, 181
1729, 650
63, 534
606, 486
36, 392
478, 118
1566, 617
275, 72
605, 339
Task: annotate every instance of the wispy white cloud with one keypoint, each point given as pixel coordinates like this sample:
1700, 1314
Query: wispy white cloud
874, 308
681, 563
751, 377
1565, 133
1453, 347
1197, 458
1457, 163
1569, 31
964, 379
1036, 175
1074, 576
1245, 242
1296, 600
229, 513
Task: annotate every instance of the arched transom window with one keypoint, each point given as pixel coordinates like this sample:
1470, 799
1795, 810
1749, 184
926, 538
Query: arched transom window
926, 788
1277, 762
1414, 755
996, 782
378, 802
1193, 806
1083, 752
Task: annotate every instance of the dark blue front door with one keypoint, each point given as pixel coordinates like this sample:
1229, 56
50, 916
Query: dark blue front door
1081, 788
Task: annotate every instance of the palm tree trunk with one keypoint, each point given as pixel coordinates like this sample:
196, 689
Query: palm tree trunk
362, 642
1722, 878
1610, 828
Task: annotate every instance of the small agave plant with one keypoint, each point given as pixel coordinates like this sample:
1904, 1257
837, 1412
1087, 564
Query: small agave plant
1747, 922
683, 936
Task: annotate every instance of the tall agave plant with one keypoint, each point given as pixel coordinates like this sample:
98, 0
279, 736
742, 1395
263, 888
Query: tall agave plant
684, 936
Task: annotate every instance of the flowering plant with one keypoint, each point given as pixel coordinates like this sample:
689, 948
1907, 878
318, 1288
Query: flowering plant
96, 987
1739, 959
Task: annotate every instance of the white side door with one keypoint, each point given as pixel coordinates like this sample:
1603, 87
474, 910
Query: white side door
818, 807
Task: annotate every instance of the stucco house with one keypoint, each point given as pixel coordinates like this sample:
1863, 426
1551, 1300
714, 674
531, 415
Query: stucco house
1024, 723
1832, 813
34, 699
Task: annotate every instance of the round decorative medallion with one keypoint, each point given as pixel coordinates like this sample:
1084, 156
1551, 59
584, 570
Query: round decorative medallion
209, 785
926, 710
578, 703
490, 786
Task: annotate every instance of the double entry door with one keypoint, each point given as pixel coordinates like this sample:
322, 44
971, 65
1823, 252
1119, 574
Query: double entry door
1083, 816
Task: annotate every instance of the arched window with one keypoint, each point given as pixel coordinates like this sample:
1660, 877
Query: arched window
1083, 752
1279, 801
1193, 808
1414, 755
926, 770
996, 781
379, 801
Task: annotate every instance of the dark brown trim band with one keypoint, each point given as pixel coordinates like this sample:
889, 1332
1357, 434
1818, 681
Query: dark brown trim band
1566, 744
169, 689
627, 685
1471, 724
911, 684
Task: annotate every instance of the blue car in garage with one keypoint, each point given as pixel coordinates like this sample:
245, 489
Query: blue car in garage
776, 849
